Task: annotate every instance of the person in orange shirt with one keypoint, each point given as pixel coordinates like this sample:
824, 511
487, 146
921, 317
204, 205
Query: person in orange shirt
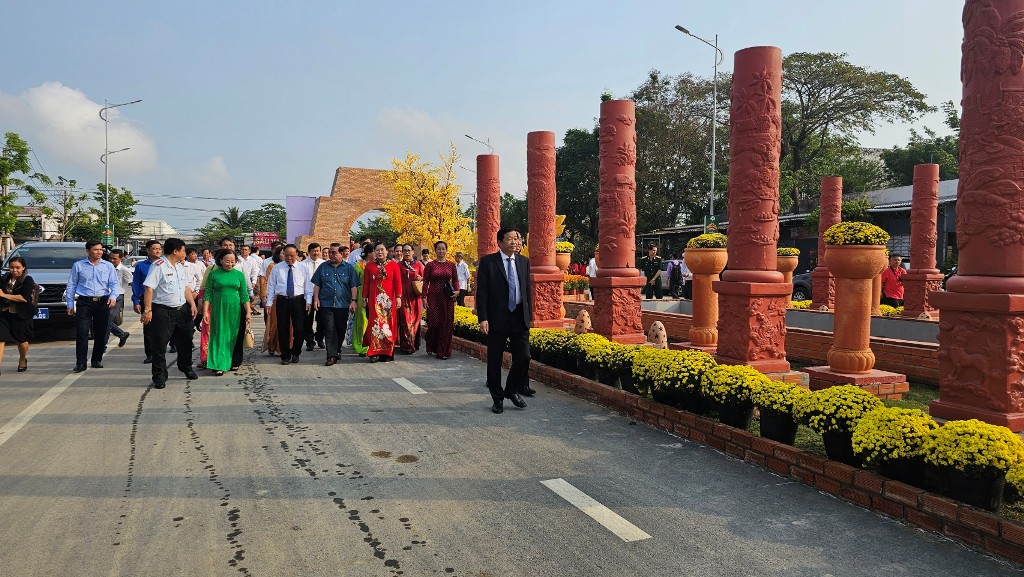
892, 282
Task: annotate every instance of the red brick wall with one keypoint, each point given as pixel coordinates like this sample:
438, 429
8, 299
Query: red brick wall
916, 360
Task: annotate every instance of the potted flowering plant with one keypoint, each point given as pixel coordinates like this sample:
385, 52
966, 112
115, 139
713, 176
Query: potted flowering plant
732, 387
677, 381
1014, 489
892, 439
584, 344
621, 361
648, 367
540, 343
786, 260
599, 358
975, 457
563, 254
802, 305
834, 413
563, 350
775, 401
706, 256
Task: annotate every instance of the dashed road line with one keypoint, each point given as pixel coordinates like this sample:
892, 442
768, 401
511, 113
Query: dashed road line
409, 386
15, 424
611, 520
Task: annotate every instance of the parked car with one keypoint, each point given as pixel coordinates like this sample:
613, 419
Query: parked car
802, 287
49, 264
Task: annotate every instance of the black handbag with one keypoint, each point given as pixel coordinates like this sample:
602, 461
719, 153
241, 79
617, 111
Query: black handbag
449, 289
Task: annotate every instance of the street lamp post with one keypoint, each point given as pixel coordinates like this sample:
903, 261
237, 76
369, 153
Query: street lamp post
107, 232
714, 111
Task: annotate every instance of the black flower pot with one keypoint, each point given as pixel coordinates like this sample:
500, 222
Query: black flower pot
627, 383
567, 363
982, 489
839, 447
693, 402
736, 414
586, 370
779, 427
665, 397
607, 376
909, 470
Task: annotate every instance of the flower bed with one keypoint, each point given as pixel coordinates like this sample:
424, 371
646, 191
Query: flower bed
709, 240
787, 251
855, 233
802, 305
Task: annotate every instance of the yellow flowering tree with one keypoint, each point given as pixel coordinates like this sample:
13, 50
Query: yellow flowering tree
425, 207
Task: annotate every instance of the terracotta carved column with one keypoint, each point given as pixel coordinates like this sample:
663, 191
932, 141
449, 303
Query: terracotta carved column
540, 202
751, 294
923, 276
617, 286
823, 286
981, 336
488, 204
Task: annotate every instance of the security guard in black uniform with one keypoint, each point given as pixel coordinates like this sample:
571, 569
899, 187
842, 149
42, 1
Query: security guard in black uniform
169, 305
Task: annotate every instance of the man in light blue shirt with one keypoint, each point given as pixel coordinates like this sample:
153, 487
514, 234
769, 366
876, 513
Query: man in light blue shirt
92, 291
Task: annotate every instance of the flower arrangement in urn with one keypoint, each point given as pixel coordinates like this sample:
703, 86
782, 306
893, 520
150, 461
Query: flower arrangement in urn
857, 233
709, 240
564, 246
787, 251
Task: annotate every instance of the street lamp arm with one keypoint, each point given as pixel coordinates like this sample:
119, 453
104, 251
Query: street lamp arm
103, 117
721, 56
487, 144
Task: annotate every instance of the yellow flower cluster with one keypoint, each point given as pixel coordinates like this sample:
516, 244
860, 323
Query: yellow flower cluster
564, 246
591, 343
777, 396
1015, 477
575, 282
972, 446
888, 311
466, 323
670, 370
710, 240
891, 433
862, 233
732, 384
621, 357
787, 251
800, 305
835, 408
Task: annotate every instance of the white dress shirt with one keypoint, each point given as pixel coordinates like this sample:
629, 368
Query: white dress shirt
462, 271
311, 265
504, 268
592, 267
125, 275
195, 271
355, 256
277, 283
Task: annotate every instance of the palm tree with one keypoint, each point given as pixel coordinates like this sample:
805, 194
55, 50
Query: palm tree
229, 218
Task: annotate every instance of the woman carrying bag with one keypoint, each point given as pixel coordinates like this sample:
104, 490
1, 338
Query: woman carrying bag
17, 309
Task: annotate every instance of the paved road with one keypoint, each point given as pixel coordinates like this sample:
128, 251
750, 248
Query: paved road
310, 470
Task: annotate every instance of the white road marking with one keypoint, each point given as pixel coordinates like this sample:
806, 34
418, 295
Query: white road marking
8, 430
409, 386
609, 519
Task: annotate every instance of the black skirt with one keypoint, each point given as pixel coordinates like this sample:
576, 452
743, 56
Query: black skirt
13, 329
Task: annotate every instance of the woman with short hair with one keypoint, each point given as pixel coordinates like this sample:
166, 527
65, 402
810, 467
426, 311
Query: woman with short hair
16, 292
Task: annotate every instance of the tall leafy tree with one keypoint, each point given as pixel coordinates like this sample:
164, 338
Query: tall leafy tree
514, 212
577, 181
65, 207
231, 217
827, 101
927, 148
425, 207
377, 228
122, 215
14, 161
271, 217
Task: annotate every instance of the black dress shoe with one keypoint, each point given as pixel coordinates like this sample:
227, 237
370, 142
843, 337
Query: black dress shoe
191, 374
78, 369
147, 360
285, 360
330, 361
309, 346
517, 400
295, 358
321, 344
159, 385
123, 339
527, 391
97, 365
374, 358
172, 349
497, 408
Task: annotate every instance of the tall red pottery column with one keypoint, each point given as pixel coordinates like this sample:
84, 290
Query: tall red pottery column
546, 278
823, 285
923, 277
751, 294
981, 335
488, 204
617, 286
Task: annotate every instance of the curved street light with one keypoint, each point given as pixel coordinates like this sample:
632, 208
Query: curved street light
106, 152
487, 144
714, 111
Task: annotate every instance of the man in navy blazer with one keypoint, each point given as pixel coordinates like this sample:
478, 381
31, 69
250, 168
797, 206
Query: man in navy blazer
505, 310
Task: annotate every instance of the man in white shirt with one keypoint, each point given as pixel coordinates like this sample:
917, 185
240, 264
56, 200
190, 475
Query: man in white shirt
311, 263
249, 270
125, 275
266, 264
290, 290
462, 272
592, 269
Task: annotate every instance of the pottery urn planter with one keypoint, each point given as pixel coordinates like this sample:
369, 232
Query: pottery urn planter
705, 264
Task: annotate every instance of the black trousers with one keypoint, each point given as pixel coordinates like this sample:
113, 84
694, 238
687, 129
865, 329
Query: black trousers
334, 323
891, 302
291, 313
461, 299
311, 334
171, 325
95, 315
512, 328
655, 290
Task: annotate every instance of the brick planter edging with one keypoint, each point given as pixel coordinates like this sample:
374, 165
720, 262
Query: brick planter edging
975, 528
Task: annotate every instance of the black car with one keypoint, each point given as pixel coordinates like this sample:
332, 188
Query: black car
802, 287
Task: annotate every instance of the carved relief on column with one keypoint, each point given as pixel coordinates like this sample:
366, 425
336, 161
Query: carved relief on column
823, 287
980, 363
540, 202
617, 286
488, 204
923, 277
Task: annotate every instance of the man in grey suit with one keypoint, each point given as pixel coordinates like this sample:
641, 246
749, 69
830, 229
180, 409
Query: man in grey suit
505, 310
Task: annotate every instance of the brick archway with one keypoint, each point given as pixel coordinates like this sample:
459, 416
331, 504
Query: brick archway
355, 192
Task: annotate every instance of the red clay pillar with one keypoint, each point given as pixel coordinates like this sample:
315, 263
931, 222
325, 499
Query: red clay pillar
540, 202
823, 284
488, 204
617, 286
981, 336
751, 294
923, 277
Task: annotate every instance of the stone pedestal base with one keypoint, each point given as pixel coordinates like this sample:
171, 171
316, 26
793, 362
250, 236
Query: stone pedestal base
882, 384
823, 289
752, 325
797, 378
981, 358
616, 313
916, 286
547, 300
688, 346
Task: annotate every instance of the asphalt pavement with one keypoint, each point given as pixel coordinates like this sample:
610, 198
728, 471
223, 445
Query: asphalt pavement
394, 469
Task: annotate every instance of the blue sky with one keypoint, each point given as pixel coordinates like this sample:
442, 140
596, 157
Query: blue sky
247, 102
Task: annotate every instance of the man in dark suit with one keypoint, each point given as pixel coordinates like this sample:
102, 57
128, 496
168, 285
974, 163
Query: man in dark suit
506, 312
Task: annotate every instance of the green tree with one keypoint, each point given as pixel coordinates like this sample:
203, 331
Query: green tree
14, 161
211, 233
122, 215
855, 209
271, 217
826, 102
378, 228
230, 217
65, 206
927, 148
577, 182
514, 212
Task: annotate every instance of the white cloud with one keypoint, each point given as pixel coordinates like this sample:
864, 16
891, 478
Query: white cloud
212, 175
64, 123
